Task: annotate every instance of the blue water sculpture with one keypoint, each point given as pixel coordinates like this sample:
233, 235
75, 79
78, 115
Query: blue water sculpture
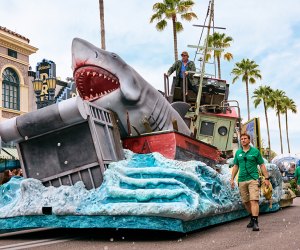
144, 191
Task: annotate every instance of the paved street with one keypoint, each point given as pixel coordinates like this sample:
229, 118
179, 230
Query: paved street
279, 230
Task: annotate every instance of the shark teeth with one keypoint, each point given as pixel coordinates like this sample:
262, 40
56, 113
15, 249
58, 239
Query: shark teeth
96, 95
95, 82
80, 76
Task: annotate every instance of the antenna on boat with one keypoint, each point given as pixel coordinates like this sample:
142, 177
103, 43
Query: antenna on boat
210, 12
205, 48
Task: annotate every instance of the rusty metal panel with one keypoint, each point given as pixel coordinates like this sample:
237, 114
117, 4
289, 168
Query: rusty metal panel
68, 152
57, 152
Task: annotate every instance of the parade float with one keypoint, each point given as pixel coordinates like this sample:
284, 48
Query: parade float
124, 155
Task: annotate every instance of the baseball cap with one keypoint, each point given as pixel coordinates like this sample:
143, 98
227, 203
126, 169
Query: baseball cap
185, 53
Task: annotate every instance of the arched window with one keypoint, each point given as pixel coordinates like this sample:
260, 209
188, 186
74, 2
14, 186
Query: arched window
10, 89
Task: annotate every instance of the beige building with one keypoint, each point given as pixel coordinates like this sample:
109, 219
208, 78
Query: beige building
16, 91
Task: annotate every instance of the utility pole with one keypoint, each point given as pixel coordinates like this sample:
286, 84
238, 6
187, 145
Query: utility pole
101, 9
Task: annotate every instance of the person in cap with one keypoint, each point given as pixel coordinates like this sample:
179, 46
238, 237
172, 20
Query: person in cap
182, 67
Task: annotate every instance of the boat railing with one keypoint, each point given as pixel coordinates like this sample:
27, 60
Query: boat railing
167, 94
184, 88
238, 108
167, 86
213, 108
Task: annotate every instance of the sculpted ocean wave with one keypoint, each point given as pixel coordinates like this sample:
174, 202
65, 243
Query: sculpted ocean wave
148, 185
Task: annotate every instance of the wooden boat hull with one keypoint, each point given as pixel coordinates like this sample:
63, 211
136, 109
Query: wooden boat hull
173, 145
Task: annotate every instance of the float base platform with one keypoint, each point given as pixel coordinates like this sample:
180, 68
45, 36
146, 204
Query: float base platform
125, 222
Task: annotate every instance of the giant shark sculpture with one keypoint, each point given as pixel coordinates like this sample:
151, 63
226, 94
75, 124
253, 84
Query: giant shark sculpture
104, 78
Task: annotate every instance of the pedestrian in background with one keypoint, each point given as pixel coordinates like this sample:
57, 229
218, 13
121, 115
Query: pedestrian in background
291, 170
4, 177
17, 172
246, 161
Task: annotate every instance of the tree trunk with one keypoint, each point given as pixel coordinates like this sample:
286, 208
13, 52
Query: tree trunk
101, 9
247, 94
175, 38
268, 131
219, 66
287, 131
279, 123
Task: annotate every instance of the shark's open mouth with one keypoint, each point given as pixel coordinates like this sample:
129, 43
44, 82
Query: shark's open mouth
94, 82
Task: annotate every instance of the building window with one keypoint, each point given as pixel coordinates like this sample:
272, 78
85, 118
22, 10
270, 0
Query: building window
10, 89
12, 53
207, 128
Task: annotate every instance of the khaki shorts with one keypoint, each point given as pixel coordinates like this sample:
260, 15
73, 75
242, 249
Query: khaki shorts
249, 190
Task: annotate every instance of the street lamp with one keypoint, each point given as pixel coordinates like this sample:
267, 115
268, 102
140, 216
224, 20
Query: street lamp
51, 83
38, 86
49, 98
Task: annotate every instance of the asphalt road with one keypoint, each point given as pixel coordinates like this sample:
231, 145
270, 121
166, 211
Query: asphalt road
279, 230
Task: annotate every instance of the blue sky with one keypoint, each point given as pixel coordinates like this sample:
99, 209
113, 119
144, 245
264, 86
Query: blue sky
267, 32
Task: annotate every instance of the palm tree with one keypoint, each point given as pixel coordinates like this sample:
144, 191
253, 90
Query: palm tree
249, 72
262, 94
169, 9
288, 104
101, 10
219, 41
276, 102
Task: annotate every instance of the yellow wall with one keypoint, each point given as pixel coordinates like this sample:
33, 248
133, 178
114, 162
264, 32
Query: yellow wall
20, 44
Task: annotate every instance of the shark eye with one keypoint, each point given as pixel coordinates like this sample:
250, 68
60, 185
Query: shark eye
114, 55
96, 54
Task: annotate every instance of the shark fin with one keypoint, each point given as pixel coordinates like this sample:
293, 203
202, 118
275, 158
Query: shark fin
181, 108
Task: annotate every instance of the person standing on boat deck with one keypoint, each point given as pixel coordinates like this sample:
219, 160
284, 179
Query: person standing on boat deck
246, 160
182, 67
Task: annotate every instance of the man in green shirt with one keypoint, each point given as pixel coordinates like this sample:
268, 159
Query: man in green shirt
297, 176
245, 161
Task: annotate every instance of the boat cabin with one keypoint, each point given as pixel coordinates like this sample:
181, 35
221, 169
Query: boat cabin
217, 119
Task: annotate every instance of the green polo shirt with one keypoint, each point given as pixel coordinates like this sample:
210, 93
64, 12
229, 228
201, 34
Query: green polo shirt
247, 163
297, 175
